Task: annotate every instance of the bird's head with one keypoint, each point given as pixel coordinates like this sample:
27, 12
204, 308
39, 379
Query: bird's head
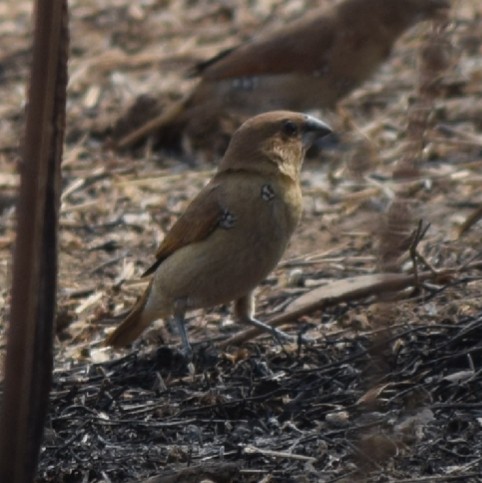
434, 8
411, 11
273, 142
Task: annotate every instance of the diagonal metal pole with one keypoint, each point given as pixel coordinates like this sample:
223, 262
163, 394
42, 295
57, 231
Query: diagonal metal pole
28, 365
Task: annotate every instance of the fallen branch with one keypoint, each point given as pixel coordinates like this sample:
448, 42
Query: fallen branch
347, 290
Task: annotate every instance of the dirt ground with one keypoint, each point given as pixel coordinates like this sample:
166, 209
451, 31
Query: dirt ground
388, 390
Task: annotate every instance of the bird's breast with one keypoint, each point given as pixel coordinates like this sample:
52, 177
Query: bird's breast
267, 211
257, 221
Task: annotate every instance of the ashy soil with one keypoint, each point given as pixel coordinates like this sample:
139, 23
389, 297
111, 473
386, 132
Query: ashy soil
390, 389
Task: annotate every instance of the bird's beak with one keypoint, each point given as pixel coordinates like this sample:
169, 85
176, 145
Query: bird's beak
314, 129
436, 9
441, 5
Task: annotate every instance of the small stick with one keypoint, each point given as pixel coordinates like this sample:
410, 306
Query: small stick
250, 449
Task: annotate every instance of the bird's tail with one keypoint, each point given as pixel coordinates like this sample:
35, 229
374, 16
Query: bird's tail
171, 119
133, 325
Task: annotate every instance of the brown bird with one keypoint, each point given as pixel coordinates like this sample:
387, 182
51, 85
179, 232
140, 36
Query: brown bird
310, 64
234, 232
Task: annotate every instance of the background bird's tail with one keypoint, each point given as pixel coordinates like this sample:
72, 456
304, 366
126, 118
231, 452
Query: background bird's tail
166, 125
133, 325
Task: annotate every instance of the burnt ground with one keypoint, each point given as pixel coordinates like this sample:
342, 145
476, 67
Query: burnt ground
388, 390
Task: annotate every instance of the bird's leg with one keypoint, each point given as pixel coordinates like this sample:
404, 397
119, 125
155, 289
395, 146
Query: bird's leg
244, 311
179, 313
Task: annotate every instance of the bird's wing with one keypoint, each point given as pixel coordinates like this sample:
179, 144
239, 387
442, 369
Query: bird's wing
301, 47
199, 220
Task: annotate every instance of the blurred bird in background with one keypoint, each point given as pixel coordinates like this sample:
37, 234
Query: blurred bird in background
310, 64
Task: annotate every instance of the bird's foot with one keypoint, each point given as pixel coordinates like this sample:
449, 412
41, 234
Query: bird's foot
186, 353
279, 335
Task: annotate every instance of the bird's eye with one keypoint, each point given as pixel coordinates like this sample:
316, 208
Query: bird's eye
290, 128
